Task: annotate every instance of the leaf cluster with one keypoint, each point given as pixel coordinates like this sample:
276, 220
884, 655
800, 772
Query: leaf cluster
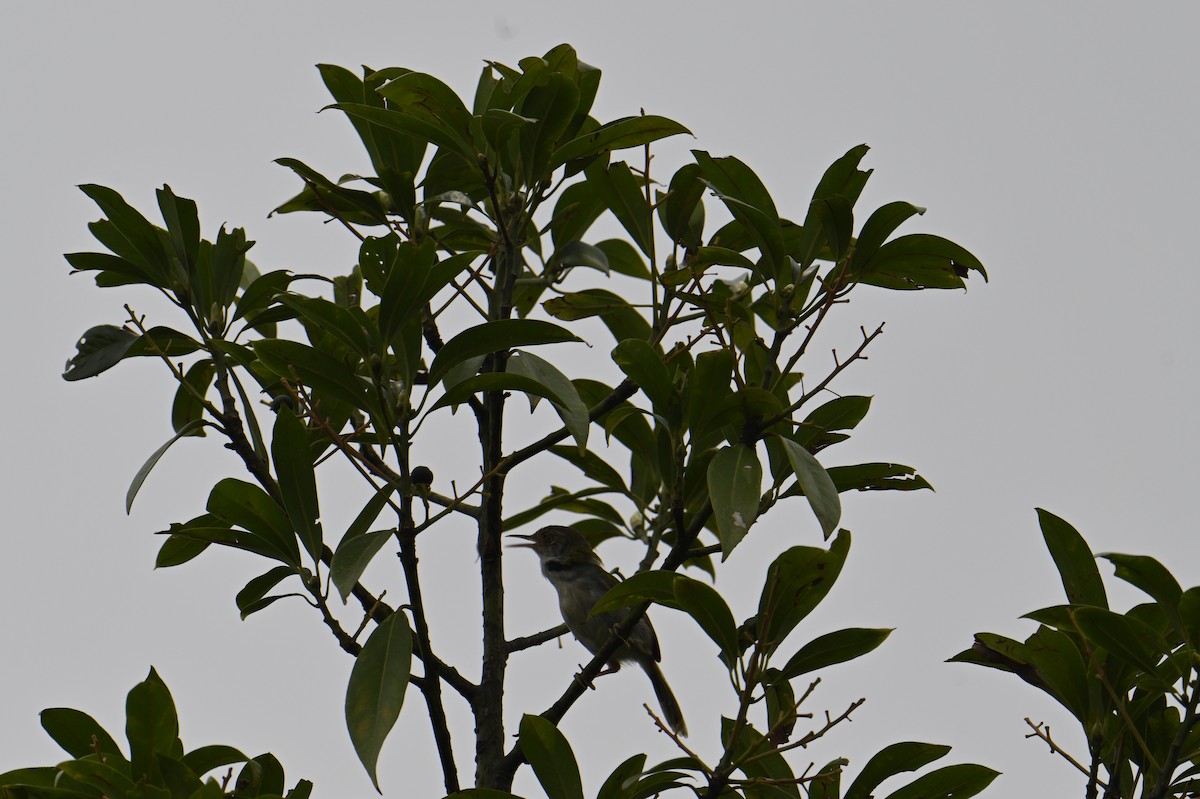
1131, 680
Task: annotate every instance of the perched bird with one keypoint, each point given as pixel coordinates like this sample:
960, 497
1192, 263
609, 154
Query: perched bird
578, 575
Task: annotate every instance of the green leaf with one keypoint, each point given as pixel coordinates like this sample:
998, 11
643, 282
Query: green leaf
151, 724
735, 487
492, 337
415, 125
920, 261
890, 761
645, 366
1124, 637
707, 385
877, 477
704, 604
833, 648
153, 460
319, 370
250, 598
1060, 666
624, 195
577, 209
551, 757
187, 408
1152, 577
881, 224
1074, 560
358, 546
208, 758
837, 224
293, 459
678, 210
571, 501
139, 240
952, 782
623, 259
100, 776
376, 689
748, 201
655, 585
843, 413
578, 253
99, 349
618, 784
818, 487
78, 733
249, 507
622, 320
757, 758
331, 318
561, 392
796, 583
552, 103
593, 466
617, 135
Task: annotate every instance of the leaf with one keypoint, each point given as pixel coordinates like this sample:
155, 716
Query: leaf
622, 778
250, 598
704, 604
562, 393
818, 487
553, 762
187, 407
748, 201
624, 195
796, 583
952, 782
355, 552
140, 240
99, 349
617, 135
552, 103
877, 477
293, 460
151, 723
578, 253
153, 460
645, 366
104, 778
623, 259
208, 758
890, 761
622, 320
881, 224
489, 337
319, 370
843, 413
1074, 560
249, 507
655, 585
331, 318
1152, 577
735, 488
677, 211
833, 648
376, 689
78, 733
1129, 640
920, 261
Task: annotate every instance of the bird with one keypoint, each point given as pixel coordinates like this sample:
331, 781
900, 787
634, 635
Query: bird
578, 575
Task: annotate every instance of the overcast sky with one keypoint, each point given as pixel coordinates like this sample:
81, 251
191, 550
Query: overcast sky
1056, 141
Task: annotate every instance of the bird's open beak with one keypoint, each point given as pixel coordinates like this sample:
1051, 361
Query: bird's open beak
526, 543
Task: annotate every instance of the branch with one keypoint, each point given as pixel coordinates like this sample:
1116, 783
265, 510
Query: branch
537, 639
1042, 730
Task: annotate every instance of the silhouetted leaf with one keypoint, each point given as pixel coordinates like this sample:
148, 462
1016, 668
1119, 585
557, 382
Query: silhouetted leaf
551, 757
376, 689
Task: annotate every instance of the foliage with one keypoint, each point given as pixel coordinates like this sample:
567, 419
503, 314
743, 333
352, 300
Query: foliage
1131, 680
476, 259
157, 766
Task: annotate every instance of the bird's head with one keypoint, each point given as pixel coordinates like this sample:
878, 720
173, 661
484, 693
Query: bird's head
558, 544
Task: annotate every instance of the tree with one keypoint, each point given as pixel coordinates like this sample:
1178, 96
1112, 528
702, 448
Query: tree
1131, 680
477, 267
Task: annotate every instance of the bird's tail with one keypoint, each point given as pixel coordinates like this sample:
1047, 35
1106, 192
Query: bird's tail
666, 699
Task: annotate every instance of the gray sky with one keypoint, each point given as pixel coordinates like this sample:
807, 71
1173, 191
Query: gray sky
1054, 141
